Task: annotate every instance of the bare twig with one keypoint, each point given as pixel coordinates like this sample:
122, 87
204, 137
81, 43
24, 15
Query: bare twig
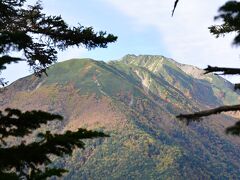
174, 8
225, 71
218, 110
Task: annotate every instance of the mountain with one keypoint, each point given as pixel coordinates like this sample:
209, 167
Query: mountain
135, 101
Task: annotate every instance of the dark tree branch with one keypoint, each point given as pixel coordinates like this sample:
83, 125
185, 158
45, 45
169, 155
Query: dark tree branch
8, 60
38, 152
16, 123
234, 130
175, 5
224, 70
236, 86
18, 26
229, 14
218, 110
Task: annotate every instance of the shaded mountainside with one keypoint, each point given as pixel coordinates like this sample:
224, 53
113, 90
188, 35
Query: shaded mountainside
135, 101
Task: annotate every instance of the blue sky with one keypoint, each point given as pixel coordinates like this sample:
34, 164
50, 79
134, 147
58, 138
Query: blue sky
144, 27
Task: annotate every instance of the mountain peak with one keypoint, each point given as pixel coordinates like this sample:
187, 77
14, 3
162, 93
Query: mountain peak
135, 101
154, 62
148, 60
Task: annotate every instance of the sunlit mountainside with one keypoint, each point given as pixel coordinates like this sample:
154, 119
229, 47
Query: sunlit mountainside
135, 101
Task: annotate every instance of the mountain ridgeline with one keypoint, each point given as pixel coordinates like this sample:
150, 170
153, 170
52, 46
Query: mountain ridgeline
135, 101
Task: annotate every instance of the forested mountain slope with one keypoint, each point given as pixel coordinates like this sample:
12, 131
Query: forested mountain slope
135, 100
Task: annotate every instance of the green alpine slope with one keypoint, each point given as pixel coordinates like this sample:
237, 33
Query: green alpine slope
135, 100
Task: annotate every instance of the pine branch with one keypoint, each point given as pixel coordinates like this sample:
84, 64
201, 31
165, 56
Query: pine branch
8, 60
209, 112
223, 29
224, 70
27, 30
37, 153
17, 123
18, 26
229, 14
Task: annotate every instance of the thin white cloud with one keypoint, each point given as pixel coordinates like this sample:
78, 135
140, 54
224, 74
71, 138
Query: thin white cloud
185, 35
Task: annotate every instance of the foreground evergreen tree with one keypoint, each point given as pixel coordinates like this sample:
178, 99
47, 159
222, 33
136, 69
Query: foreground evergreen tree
37, 37
229, 13
29, 160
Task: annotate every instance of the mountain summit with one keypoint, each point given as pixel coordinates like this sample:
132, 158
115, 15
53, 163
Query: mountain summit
135, 100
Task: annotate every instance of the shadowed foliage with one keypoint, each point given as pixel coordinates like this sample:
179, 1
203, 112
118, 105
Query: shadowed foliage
36, 38
28, 160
